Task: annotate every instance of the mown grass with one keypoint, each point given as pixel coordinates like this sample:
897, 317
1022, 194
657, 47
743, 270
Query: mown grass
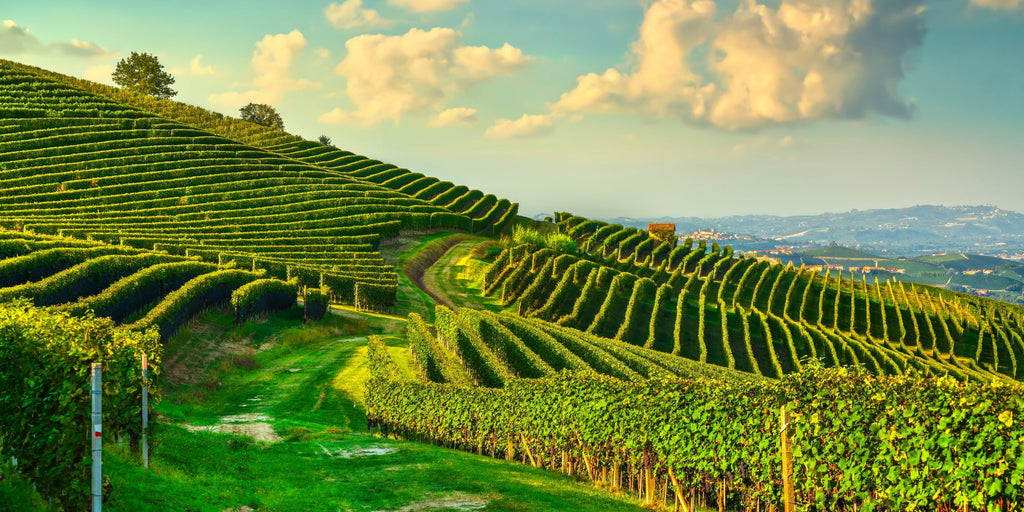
307, 380
458, 275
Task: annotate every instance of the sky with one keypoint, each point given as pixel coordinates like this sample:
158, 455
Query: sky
602, 108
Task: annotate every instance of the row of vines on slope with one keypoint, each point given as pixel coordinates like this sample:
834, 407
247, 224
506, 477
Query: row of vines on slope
859, 442
762, 318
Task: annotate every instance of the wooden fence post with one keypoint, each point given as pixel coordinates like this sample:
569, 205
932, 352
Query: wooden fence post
145, 410
788, 492
97, 437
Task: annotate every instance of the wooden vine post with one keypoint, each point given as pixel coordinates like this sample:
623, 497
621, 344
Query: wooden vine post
788, 492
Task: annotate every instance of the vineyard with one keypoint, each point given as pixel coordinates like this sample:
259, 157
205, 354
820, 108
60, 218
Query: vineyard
754, 316
656, 368
80, 164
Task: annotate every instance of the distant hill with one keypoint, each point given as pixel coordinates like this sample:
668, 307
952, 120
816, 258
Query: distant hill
840, 252
914, 230
970, 273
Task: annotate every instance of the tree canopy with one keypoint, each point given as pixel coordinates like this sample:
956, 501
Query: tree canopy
262, 114
143, 72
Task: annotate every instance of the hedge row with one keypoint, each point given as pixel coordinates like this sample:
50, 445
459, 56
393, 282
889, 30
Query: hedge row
432, 360
133, 293
853, 446
262, 296
193, 298
40, 264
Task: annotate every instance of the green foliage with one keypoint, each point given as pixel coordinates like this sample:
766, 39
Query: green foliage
522, 235
375, 297
846, 426
480, 360
192, 298
85, 279
44, 393
132, 293
315, 304
143, 73
41, 264
263, 115
381, 363
433, 361
262, 296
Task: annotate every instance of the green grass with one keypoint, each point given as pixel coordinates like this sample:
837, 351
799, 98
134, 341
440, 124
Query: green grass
307, 380
458, 275
409, 298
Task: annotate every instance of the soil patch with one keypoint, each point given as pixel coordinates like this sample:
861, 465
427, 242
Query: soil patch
452, 501
251, 425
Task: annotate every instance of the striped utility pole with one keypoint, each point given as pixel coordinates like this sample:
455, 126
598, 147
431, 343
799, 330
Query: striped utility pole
145, 410
97, 437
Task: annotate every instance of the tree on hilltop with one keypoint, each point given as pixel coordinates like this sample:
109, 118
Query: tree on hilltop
325, 140
142, 72
262, 114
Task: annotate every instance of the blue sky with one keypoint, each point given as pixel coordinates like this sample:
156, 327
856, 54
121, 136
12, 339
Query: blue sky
604, 108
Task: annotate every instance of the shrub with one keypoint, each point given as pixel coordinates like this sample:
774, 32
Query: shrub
316, 304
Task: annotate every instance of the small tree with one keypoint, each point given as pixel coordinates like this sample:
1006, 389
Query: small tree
325, 140
262, 114
142, 72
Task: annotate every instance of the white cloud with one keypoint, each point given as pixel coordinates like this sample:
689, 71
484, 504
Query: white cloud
335, 116
323, 53
803, 60
998, 4
459, 116
19, 40
350, 14
427, 5
195, 67
99, 73
272, 63
526, 126
389, 76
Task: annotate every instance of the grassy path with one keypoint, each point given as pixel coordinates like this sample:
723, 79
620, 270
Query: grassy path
458, 277
305, 383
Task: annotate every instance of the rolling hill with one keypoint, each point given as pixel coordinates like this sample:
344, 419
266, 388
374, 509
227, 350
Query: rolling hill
582, 346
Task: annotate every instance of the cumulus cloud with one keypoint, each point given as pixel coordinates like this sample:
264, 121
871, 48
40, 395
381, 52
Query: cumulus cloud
350, 14
195, 67
526, 126
15, 39
459, 116
99, 73
762, 64
998, 4
389, 76
272, 63
427, 5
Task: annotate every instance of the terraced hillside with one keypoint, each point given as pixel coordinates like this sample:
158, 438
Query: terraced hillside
79, 164
134, 287
753, 316
479, 212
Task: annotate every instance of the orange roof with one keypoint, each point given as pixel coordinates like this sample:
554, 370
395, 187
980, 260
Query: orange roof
658, 226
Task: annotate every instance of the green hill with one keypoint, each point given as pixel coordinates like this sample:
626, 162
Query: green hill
153, 213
